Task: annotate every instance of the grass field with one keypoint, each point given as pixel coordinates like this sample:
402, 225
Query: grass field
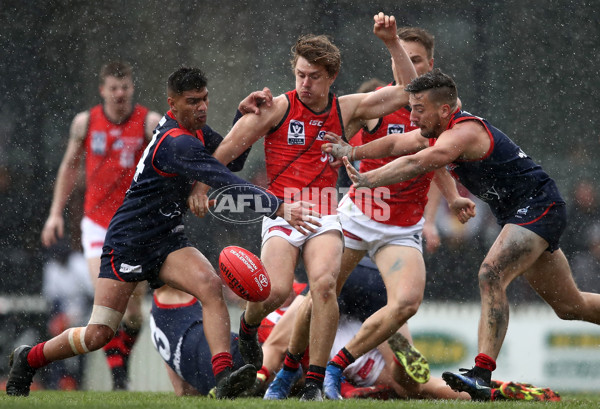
152, 400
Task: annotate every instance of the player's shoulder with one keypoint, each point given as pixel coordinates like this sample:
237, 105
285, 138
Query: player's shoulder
79, 125
152, 120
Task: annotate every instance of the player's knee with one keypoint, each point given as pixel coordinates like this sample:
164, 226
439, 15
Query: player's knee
87, 339
403, 309
489, 277
102, 326
568, 312
212, 284
323, 288
277, 296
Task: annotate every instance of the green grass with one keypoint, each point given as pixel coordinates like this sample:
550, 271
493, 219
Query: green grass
151, 400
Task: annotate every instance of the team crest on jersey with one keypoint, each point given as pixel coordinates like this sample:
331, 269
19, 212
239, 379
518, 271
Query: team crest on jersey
98, 143
321, 136
395, 128
296, 135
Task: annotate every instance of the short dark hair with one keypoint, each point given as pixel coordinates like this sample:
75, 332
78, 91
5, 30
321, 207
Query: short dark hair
370, 85
442, 87
186, 79
318, 50
418, 35
117, 69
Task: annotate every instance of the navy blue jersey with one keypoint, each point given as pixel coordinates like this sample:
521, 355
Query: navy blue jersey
505, 177
178, 336
156, 201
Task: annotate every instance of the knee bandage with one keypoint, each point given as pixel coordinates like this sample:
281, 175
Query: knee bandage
106, 316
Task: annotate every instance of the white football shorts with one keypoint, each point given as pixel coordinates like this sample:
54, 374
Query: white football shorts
363, 233
280, 228
92, 238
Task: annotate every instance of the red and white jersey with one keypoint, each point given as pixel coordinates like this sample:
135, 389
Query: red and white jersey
297, 169
407, 200
112, 153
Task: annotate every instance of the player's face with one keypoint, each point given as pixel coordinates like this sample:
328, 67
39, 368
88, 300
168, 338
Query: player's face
117, 93
312, 84
425, 114
418, 55
190, 108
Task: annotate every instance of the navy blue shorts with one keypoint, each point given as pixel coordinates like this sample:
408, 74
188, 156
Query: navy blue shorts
145, 265
545, 217
363, 293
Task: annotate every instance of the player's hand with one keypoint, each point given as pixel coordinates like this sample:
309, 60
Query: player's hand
53, 230
337, 147
431, 236
253, 102
463, 208
300, 216
385, 27
358, 179
335, 163
198, 199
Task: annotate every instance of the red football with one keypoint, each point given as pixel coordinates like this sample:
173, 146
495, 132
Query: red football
244, 273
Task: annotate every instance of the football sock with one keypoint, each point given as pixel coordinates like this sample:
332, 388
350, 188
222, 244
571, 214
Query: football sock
315, 376
484, 365
117, 353
292, 361
130, 335
36, 358
343, 359
246, 330
221, 362
263, 374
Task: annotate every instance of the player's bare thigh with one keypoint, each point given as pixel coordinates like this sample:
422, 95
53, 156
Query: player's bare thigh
350, 259
279, 258
551, 272
322, 256
188, 270
515, 250
403, 271
113, 294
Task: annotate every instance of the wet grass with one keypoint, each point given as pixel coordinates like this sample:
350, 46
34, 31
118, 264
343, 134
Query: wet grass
152, 400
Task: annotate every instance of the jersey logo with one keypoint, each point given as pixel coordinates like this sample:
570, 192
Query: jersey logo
321, 136
490, 195
366, 368
522, 212
296, 134
98, 142
127, 268
170, 210
395, 128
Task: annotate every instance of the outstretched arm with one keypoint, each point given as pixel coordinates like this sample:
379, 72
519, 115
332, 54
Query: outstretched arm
246, 131
389, 145
467, 141
386, 100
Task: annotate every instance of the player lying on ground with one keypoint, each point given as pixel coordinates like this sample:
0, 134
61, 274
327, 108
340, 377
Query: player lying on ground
395, 369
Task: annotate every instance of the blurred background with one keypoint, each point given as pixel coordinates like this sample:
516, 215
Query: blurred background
529, 67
